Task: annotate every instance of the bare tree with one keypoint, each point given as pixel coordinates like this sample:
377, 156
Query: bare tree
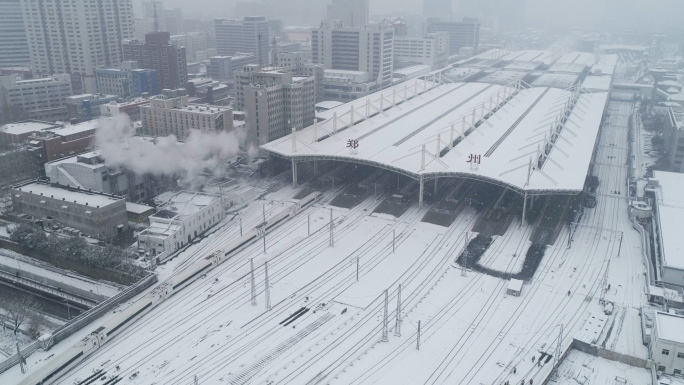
18, 309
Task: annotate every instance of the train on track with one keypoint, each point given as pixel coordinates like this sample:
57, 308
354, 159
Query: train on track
71, 357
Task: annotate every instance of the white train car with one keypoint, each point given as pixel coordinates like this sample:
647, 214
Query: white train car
62, 363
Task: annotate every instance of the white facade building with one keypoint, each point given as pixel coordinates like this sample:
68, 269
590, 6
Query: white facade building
13, 44
180, 220
166, 116
369, 49
432, 50
42, 98
76, 37
667, 343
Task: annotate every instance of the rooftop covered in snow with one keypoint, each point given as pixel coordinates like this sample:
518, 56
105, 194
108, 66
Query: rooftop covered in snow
670, 214
507, 135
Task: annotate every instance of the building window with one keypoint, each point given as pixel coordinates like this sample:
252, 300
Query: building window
680, 355
661, 368
666, 352
677, 372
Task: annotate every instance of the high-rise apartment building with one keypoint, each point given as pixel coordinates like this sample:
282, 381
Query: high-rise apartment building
13, 45
352, 13
157, 53
76, 37
368, 49
464, 33
249, 35
41, 99
274, 101
173, 115
437, 8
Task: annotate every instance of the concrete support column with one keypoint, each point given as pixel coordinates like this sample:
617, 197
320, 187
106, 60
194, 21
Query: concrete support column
294, 173
422, 187
524, 208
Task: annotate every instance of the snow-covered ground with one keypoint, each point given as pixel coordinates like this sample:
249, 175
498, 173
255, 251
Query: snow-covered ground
582, 368
8, 342
471, 331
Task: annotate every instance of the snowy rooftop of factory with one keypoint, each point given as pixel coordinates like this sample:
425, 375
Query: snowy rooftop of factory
670, 327
670, 213
410, 130
81, 197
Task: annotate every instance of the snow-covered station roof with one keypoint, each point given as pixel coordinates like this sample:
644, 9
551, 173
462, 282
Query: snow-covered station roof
535, 140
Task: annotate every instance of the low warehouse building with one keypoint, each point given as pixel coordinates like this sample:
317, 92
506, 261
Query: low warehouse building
97, 215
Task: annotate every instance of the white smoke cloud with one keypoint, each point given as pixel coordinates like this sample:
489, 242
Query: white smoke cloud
201, 151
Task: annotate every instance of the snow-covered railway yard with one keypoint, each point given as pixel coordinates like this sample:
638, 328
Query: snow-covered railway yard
324, 326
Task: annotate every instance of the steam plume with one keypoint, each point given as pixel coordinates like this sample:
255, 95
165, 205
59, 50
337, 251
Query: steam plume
165, 155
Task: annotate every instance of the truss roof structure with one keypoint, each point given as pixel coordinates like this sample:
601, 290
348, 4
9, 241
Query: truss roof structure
533, 140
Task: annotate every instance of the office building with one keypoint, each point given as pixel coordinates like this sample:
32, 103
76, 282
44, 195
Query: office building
172, 114
208, 91
352, 13
431, 49
127, 81
157, 53
274, 101
84, 107
249, 35
129, 107
180, 220
98, 215
76, 37
195, 44
295, 62
462, 34
221, 67
41, 99
14, 50
437, 8
369, 49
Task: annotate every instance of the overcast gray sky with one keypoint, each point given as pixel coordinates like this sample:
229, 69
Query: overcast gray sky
584, 14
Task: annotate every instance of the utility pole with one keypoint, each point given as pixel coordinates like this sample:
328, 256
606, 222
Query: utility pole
418, 337
264, 207
620, 247
268, 288
384, 319
397, 327
556, 356
394, 237
196, 382
357, 269
264, 239
251, 274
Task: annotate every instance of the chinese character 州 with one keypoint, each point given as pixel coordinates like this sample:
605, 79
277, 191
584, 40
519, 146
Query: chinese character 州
472, 158
352, 144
